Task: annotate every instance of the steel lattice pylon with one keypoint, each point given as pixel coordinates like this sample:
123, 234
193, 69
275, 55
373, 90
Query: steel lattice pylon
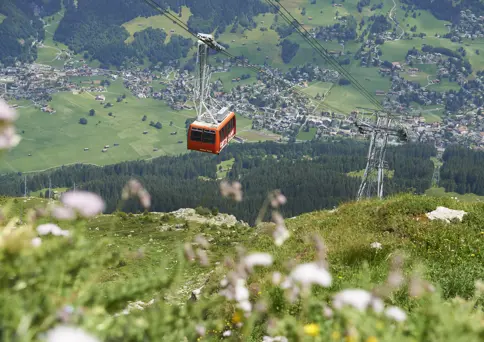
380, 132
208, 110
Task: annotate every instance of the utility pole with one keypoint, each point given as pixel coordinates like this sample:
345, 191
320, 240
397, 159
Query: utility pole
25, 186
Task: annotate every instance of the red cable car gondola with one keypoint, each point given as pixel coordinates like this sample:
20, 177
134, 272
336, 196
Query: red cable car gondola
215, 126
210, 137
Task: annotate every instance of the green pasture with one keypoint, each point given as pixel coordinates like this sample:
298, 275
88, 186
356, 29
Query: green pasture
440, 192
58, 139
316, 88
52, 53
432, 117
306, 135
235, 72
159, 22
426, 22
224, 167
395, 51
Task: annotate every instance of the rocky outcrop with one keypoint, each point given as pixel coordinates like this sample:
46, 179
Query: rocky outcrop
189, 214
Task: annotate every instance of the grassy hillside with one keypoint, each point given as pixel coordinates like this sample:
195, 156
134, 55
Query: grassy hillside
142, 250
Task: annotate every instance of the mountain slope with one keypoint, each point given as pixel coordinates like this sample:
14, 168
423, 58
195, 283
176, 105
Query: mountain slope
120, 258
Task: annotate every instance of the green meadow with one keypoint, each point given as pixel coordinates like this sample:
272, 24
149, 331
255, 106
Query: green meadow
59, 139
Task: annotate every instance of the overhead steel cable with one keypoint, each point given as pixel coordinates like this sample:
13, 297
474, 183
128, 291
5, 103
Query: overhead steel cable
322, 51
182, 25
314, 43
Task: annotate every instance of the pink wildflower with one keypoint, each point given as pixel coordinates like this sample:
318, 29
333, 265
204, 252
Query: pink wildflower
6, 113
87, 204
63, 213
8, 138
134, 189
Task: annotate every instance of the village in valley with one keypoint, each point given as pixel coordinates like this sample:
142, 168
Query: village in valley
430, 90
269, 106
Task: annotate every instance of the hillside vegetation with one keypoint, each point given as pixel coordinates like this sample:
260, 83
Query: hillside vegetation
313, 174
108, 261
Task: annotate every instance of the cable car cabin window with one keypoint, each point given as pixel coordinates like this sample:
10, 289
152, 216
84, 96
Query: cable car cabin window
230, 125
223, 133
196, 134
208, 136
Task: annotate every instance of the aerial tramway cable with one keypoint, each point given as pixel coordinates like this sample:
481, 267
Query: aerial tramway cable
182, 25
314, 43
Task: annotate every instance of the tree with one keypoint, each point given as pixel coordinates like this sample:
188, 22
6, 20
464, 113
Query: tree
158, 125
92, 112
289, 50
83, 121
144, 118
343, 82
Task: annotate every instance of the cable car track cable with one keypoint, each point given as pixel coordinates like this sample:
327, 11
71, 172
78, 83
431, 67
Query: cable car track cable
323, 52
182, 25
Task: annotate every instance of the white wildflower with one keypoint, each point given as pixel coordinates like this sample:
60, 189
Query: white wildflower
200, 329
227, 333
245, 305
276, 278
357, 298
51, 228
224, 282
376, 245
257, 259
395, 279
275, 339
134, 189
281, 234
6, 113
233, 190
8, 137
63, 213
36, 242
65, 333
396, 313
241, 292
311, 273
327, 312
88, 204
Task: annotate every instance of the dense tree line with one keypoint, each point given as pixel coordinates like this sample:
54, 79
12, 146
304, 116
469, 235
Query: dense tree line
380, 24
463, 170
447, 9
47, 7
289, 50
312, 175
18, 31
